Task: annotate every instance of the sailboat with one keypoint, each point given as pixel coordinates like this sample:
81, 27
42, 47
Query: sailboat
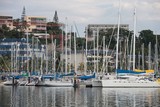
97, 81
129, 80
57, 80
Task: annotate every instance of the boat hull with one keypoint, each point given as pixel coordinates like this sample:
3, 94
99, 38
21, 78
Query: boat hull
96, 83
129, 84
54, 83
10, 82
86, 83
40, 83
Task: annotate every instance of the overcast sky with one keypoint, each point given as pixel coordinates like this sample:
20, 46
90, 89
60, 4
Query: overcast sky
84, 12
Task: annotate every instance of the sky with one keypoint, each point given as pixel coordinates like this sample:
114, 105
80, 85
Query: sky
84, 12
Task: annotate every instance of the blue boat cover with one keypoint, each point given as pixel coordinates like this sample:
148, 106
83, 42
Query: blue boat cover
69, 74
86, 77
120, 71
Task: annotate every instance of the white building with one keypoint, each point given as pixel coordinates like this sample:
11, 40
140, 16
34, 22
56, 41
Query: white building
93, 27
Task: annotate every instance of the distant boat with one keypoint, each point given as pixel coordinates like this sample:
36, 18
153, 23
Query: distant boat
58, 83
86, 79
10, 81
55, 81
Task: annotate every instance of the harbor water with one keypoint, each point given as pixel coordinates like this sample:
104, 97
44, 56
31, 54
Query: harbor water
30, 96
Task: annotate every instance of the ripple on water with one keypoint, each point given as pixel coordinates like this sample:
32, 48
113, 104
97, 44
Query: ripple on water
29, 96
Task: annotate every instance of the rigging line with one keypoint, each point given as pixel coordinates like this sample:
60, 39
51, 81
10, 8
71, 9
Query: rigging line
83, 42
111, 37
76, 29
4, 62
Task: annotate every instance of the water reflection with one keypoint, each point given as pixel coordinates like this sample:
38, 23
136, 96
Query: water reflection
132, 97
79, 97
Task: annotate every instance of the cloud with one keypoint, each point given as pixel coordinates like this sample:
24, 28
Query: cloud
85, 12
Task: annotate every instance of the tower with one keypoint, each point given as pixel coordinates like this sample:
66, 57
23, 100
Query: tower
55, 18
23, 14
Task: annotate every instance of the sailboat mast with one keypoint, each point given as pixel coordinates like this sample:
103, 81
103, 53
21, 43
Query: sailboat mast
107, 60
54, 62
143, 56
118, 35
41, 61
62, 48
134, 39
66, 48
11, 69
75, 51
156, 54
103, 69
32, 52
27, 55
17, 57
139, 60
70, 36
149, 56
52, 57
94, 51
86, 51
46, 55
97, 49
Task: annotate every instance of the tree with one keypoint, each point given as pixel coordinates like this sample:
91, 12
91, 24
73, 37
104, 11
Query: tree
4, 31
146, 36
81, 67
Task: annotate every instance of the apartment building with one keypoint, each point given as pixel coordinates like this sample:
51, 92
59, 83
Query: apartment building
6, 20
36, 23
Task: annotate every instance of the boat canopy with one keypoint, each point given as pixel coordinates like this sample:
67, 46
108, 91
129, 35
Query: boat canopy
86, 77
146, 71
69, 74
120, 71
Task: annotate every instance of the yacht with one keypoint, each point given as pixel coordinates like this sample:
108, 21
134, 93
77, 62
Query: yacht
130, 81
58, 82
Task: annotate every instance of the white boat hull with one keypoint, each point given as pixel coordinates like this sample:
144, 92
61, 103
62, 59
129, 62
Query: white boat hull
22, 83
10, 82
54, 83
97, 83
86, 83
33, 83
117, 83
41, 83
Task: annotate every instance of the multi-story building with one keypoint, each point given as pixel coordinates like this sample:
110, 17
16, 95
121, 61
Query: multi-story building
102, 27
6, 20
93, 27
21, 52
36, 24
